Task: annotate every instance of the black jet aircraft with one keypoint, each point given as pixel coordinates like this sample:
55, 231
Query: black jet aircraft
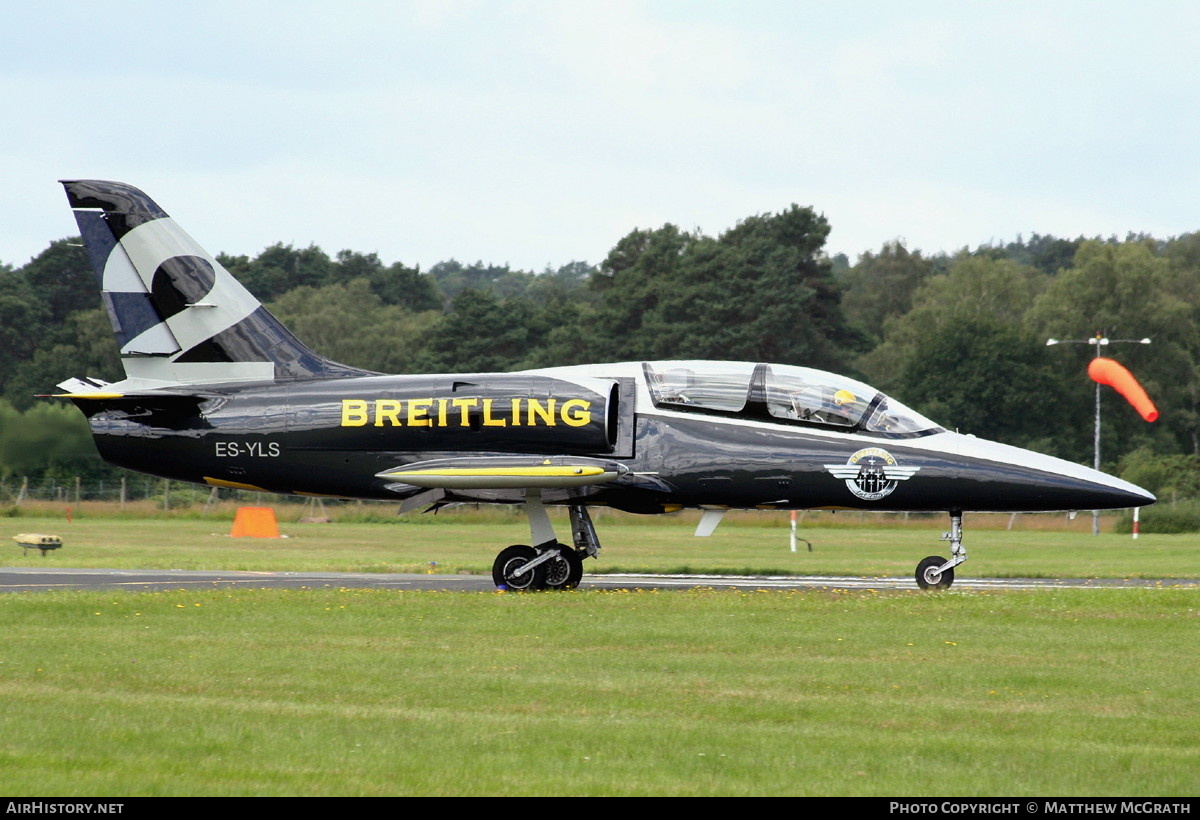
218, 392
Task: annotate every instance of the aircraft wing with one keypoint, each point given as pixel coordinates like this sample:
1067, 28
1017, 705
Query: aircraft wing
506, 473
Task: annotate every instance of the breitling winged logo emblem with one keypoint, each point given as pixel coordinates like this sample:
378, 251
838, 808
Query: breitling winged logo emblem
872, 473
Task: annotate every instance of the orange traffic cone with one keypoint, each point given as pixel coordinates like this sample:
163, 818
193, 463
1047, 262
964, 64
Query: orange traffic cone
255, 522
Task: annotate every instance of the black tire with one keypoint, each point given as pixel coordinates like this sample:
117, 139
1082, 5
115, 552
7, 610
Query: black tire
512, 559
929, 578
564, 571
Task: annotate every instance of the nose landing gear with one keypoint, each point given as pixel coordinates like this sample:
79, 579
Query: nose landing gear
935, 572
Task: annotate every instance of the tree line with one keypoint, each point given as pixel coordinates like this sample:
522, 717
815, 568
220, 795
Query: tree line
958, 336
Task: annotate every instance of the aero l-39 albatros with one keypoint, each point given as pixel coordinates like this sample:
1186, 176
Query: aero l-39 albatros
218, 392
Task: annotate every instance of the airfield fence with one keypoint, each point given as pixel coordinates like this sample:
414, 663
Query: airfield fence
15, 491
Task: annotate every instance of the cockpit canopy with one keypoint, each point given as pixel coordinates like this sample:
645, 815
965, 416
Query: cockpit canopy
786, 393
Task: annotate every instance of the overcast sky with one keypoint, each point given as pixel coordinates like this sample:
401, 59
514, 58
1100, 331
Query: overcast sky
538, 133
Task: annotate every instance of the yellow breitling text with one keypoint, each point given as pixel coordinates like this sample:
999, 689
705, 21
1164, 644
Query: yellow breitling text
520, 412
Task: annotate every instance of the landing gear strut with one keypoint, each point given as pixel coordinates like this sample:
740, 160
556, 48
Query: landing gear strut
935, 572
550, 564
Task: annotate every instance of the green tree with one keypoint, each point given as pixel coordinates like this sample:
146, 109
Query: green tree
974, 288
24, 324
395, 284
482, 334
1167, 476
565, 332
349, 323
46, 437
629, 283
62, 280
762, 291
452, 278
1127, 291
280, 268
881, 285
981, 376
568, 283
92, 351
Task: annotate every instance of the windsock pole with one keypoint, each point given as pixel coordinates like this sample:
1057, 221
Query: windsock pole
1102, 376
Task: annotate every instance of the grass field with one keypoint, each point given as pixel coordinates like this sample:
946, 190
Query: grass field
358, 692
467, 541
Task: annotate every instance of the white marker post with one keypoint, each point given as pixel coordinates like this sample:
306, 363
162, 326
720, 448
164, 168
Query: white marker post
794, 530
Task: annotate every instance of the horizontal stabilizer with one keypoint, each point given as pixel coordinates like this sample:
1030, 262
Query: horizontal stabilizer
537, 472
85, 388
93, 396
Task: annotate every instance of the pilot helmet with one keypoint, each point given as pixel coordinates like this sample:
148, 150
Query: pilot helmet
844, 397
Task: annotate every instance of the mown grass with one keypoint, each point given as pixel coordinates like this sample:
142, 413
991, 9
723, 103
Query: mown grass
369, 692
360, 692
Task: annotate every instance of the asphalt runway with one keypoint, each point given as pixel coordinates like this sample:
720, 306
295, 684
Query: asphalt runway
32, 579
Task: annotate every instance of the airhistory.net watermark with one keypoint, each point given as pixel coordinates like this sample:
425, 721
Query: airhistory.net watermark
46, 807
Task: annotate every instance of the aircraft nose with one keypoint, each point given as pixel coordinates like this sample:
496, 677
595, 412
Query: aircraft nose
1014, 478
1089, 489
1117, 494
1082, 489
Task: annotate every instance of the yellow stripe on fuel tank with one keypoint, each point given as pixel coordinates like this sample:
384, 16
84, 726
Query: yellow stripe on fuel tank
232, 485
478, 478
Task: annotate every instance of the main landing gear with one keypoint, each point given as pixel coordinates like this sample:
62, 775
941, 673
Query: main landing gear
936, 572
550, 564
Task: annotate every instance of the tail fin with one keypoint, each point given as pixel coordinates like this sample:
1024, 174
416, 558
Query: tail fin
179, 316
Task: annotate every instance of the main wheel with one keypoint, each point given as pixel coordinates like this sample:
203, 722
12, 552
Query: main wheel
564, 571
928, 576
509, 561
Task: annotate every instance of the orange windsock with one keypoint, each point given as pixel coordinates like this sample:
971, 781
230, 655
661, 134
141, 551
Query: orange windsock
1106, 371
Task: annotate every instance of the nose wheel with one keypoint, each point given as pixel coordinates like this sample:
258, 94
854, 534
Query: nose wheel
930, 574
